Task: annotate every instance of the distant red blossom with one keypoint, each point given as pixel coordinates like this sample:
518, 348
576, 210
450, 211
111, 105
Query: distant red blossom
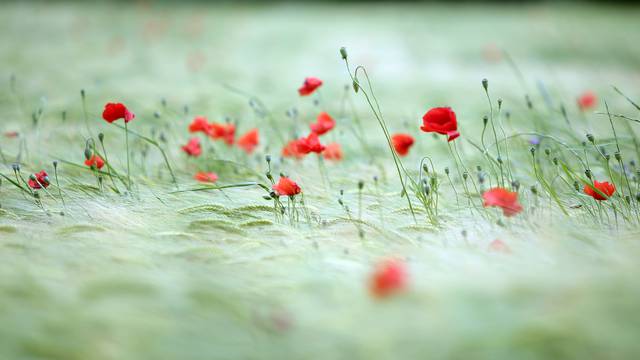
310, 85
193, 147
332, 151
200, 124
323, 124
402, 143
206, 177
249, 141
499, 246
94, 161
286, 187
115, 111
39, 180
291, 150
226, 132
605, 187
502, 198
389, 277
309, 144
441, 120
11, 134
587, 100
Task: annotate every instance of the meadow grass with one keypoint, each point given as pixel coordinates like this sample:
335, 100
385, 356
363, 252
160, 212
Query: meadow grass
164, 273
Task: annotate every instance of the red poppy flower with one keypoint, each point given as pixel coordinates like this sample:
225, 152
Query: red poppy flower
310, 85
310, 144
291, 150
441, 120
95, 161
389, 278
605, 187
587, 100
402, 143
504, 199
286, 187
41, 180
249, 141
11, 134
500, 246
226, 132
209, 177
193, 147
115, 111
324, 124
332, 151
200, 124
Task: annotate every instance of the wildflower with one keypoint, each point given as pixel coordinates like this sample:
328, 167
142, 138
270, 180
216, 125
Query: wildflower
604, 187
291, 150
193, 147
441, 120
323, 125
200, 124
499, 246
115, 111
310, 85
587, 100
286, 187
249, 141
39, 180
332, 151
504, 199
11, 134
309, 144
226, 132
94, 161
402, 143
389, 277
209, 177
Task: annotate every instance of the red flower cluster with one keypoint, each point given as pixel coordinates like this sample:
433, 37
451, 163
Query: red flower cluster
207, 177
291, 150
402, 143
309, 144
249, 141
193, 147
286, 187
310, 85
587, 100
94, 161
225, 132
604, 187
441, 120
201, 124
323, 125
39, 180
115, 111
503, 198
389, 278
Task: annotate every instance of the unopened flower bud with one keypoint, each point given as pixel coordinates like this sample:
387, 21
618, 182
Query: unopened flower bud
101, 137
588, 173
343, 53
590, 138
617, 155
87, 153
485, 84
446, 170
360, 185
576, 185
356, 87
515, 185
485, 120
534, 190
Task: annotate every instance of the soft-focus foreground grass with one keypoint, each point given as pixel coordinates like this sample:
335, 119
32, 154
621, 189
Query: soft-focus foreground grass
160, 276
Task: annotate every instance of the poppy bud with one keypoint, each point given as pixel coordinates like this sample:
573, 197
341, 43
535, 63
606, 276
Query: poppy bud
485, 120
534, 190
88, 153
101, 137
156, 115
340, 202
515, 184
267, 158
547, 151
82, 94
507, 115
360, 184
499, 160
617, 155
32, 177
632, 163
273, 195
500, 223
590, 138
638, 197
425, 168
588, 173
465, 175
356, 87
555, 161
434, 181
480, 178
627, 199
15, 166
533, 151
485, 84
446, 170
576, 185
529, 103
343, 53
607, 157
36, 195
478, 167
499, 103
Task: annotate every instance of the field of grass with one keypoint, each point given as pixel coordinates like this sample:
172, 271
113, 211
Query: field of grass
87, 272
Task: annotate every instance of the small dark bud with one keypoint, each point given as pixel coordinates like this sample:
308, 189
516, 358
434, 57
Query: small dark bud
163, 102
446, 170
87, 153
343, 53
481, 178
638, 197
627, 199
529, 103
485, 120
533, 151
576, 185
632, 163
547, 152
499, 160
478, 167
267, 158
425, 168
375, 178
185, 109
465, 175
499, 103
32, 177
273, 195
588, 173
360, 185
101, 137
534, 190
156, 115
82, 93
464, 233
607, 157
15, 166
617, 155
485, 84
55, 164
356, 87
555, 161
590, 138
515, 185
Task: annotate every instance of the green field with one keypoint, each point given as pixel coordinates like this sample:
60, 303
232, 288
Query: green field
87, 272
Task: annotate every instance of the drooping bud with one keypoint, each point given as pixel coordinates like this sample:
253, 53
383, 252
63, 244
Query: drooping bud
343, 53
101, 137
588, 173
485, 84
356, 87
